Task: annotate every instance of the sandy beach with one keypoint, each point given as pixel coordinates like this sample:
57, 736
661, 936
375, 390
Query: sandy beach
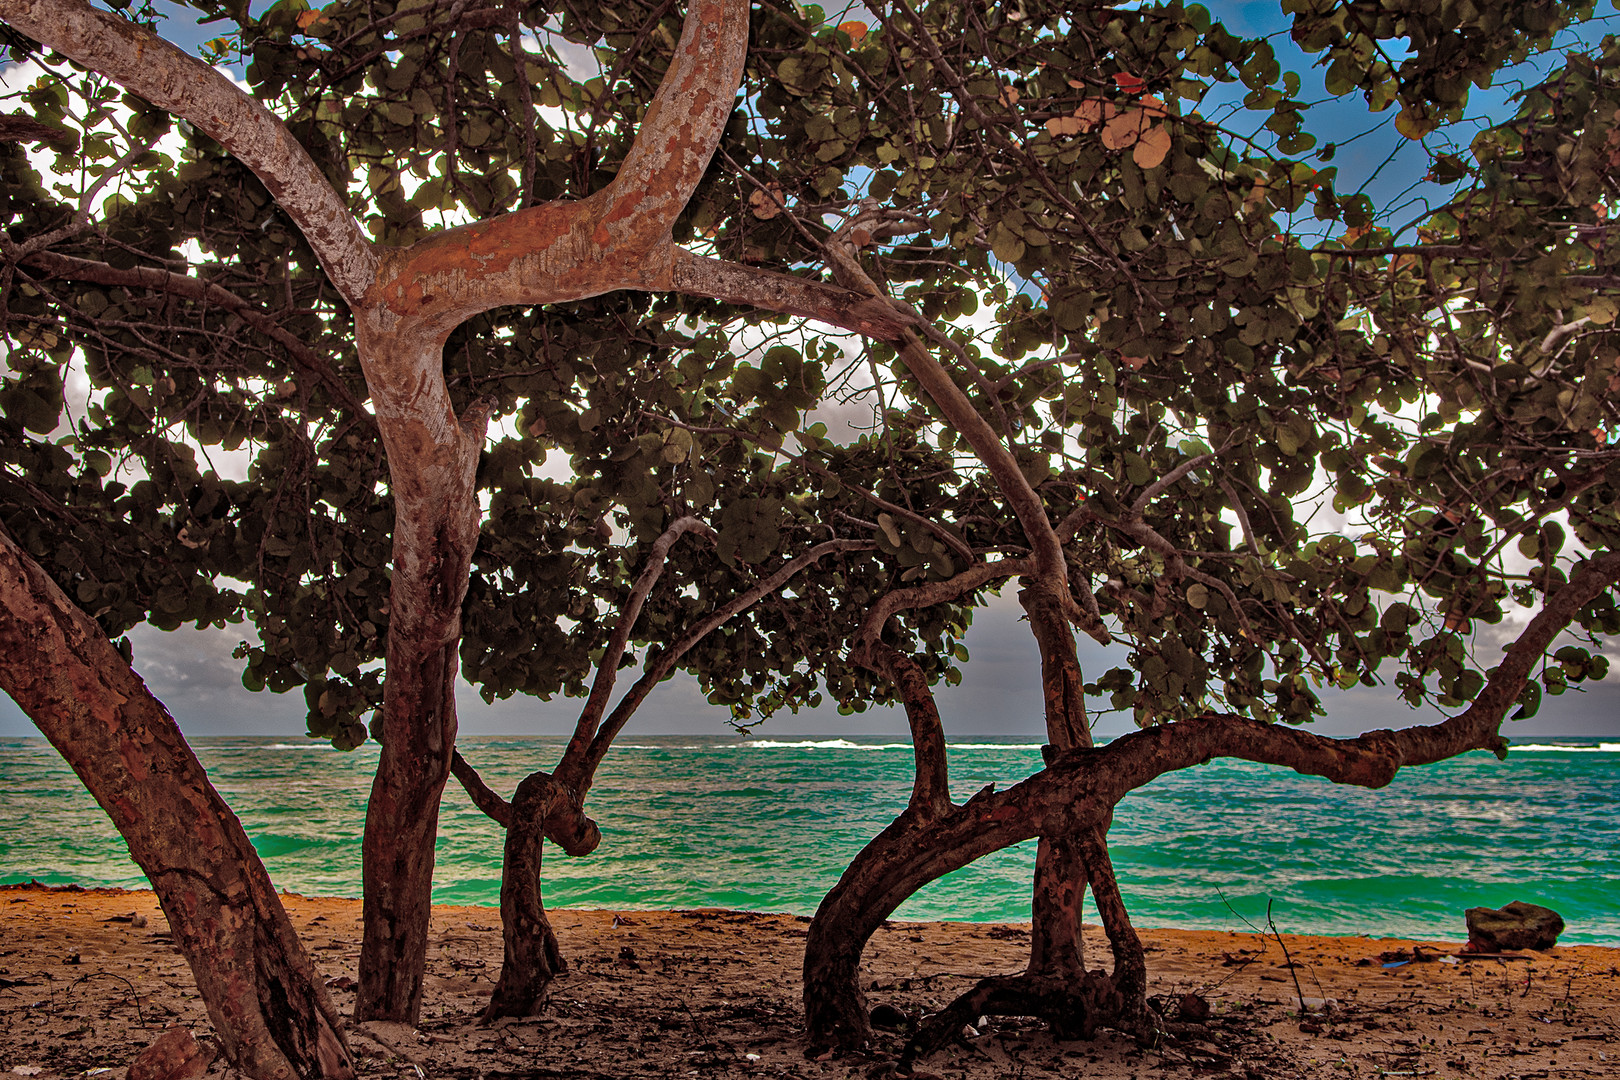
88, 977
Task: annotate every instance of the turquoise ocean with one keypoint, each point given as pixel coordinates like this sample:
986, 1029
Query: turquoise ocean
768, 825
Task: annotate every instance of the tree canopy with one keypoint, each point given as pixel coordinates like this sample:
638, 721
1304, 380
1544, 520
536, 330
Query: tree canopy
1112, 324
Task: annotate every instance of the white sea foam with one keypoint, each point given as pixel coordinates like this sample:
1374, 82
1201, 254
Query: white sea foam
1547, 748
818, 744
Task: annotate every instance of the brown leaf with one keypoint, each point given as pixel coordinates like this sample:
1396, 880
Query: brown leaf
1094, 111
855, 29
1009, 96
1152, 147
767, 203
1064, 125
1123, 130
1153, 107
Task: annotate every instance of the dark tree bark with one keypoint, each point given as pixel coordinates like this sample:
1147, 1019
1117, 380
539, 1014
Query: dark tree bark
1056, 944
1075, 794
551, 804
273, 1016
542, 807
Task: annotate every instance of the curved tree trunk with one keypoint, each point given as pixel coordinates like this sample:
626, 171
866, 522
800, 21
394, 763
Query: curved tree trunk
432, 465
542, 806
274, 1018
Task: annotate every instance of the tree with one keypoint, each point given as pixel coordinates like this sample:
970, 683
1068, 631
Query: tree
1176, 353
340, 304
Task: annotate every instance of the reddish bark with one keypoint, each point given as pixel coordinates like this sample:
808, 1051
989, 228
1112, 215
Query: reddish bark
272, 1015
432, 464
1059, 889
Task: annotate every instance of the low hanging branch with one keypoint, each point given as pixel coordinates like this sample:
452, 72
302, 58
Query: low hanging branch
1076, 794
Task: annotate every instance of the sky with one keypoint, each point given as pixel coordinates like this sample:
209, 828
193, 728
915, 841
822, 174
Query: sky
193, 672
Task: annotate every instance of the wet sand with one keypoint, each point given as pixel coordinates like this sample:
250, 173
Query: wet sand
89, 977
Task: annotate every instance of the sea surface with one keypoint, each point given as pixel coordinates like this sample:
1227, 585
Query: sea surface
768, 825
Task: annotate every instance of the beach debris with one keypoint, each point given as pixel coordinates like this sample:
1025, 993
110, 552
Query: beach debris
341, 982
134, 918
1192, 1008
27, 1070
1517, 926
890, 1018
176, 1055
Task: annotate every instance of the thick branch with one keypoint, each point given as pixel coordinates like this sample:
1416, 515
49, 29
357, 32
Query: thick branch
190, 288
930, 785
618, 238
144, 63
734, 283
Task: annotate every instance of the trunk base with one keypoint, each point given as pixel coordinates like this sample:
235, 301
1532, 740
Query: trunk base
1075, 1009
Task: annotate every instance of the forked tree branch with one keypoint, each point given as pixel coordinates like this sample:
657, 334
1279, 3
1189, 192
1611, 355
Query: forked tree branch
607, 668
927, 594
1047, 550
618, 238
582, 770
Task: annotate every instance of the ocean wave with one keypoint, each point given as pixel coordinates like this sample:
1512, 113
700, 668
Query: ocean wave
1547, 748
313, 744
818, 744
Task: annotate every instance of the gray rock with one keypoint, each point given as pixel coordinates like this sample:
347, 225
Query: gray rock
1516, 926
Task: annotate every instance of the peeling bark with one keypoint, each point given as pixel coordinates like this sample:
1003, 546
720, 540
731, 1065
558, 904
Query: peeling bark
1058, 893
273, 1016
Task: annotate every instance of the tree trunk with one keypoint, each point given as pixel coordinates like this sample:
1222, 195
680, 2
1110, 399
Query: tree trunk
432, 464
541, 807
1056, 948
274, 1018
1056, 945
